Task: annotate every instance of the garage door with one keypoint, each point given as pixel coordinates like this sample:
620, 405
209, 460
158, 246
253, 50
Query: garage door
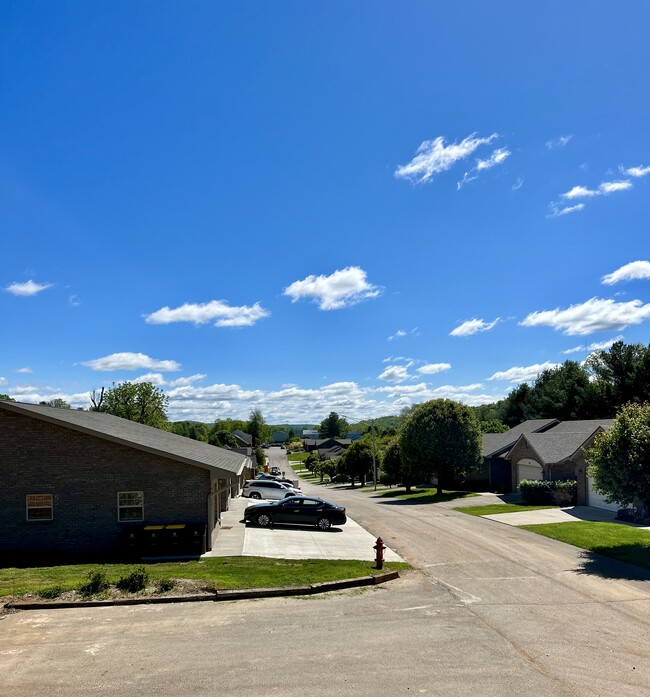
598, 500
528, 469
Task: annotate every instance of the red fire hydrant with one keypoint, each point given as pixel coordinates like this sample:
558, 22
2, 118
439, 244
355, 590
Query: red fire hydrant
379, 556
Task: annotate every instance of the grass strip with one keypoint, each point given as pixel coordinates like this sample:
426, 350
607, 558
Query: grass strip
221, 572
425, 495
615, 540
297, 457
494, 508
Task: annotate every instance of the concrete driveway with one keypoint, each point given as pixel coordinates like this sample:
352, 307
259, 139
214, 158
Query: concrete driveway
554, 515
349, 541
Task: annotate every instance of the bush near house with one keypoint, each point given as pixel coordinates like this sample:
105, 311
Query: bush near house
558, 493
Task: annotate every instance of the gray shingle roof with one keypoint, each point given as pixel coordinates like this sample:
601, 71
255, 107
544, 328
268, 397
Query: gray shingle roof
554, 447
135, 435
581, 426
245, 438
495, 443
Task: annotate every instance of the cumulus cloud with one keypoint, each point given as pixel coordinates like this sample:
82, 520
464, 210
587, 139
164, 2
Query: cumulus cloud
27, 288
595, 346
433, 368
636, 171
594, 315
559, 142
405, 395
343, 288
201, 313
396, 373
523, 373
473, 326
131, 361
603, 190
635, 270
434, 157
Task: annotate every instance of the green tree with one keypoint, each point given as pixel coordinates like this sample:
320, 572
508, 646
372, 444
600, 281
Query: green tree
492, 426
356, 461
220, 437
141, 402
564, 393
260, 458
517, 406
622, 375
441, 439
619, 460
257, 427
57, 403
391, 466
333, 426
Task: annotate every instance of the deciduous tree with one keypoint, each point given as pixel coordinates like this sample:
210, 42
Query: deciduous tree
333, 426
142, 402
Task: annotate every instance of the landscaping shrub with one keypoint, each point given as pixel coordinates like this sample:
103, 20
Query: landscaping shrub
165, 584
542, 492
97, 583
136, 581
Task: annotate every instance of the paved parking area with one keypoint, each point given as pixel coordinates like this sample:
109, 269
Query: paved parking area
349, 541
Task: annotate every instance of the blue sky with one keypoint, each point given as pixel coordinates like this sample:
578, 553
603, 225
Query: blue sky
314, 206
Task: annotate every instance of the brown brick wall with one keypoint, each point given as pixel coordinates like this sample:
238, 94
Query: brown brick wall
84, 474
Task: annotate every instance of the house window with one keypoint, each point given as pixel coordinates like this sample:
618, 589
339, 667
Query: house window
39, 506
130, 506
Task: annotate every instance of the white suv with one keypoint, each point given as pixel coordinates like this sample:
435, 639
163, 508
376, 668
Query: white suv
268, 489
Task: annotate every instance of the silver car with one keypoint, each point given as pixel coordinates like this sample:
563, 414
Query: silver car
268, 489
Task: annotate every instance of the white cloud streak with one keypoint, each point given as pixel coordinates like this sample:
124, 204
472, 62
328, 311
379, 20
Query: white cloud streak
225, 315
343, 288
559, 142
636, 171
595, 346
433, 368
594, 315
498, 157
557, 212
635, 270
523, 373
604, 189
473, 326
28, 288
434, 157
131, 361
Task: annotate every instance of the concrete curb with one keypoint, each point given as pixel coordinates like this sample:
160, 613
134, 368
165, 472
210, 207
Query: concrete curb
245, 594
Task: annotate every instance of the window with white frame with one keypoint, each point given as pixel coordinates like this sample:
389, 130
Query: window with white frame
39, 506
130, 506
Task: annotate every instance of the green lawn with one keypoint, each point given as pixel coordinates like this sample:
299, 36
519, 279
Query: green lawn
297, 457
424, 495
222, 573
494, 508
615, 540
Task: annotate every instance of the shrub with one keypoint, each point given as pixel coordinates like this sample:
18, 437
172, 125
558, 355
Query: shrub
97, 583
165, 584
136, 581
51, 592
543, 492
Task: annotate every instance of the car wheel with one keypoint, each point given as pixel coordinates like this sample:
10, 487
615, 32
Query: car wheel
255, 495
263, 520
323, 523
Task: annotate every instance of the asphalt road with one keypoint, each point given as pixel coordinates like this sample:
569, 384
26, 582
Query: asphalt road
491, 611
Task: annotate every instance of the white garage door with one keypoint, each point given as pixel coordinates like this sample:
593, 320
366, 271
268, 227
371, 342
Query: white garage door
598, 500
528, 469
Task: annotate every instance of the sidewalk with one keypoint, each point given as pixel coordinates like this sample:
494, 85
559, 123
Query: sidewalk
349, 541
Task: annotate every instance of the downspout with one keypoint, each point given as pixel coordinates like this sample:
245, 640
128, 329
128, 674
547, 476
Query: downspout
210, 505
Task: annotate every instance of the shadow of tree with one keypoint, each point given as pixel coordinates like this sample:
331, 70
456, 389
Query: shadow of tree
401, 498
630, 562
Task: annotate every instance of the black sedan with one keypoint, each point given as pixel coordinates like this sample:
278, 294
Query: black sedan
300, 510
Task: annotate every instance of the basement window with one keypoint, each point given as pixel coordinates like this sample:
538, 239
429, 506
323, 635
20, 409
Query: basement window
39, 506
130, 506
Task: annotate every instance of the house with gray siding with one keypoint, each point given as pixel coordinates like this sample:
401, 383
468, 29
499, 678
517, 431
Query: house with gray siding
74, 482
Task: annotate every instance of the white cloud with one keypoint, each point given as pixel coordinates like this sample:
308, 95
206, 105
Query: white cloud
559, 142
518, 184
523, 373
595, 346
433, 368
594, 315
636, 171
225, 315
73, 301
603, 189
473, 326
635, 270
404, 395
27, 288
24, 370
343, 288
397, 335
396, 373
131, 361
498, 157
434, 157
557, 212
400, 359
3, 380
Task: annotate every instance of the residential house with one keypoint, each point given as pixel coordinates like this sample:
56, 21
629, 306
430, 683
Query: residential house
74, 482
326, 443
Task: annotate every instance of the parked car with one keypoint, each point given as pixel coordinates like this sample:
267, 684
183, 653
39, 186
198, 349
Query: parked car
275, 478
275, 470
268, 489
299, 510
